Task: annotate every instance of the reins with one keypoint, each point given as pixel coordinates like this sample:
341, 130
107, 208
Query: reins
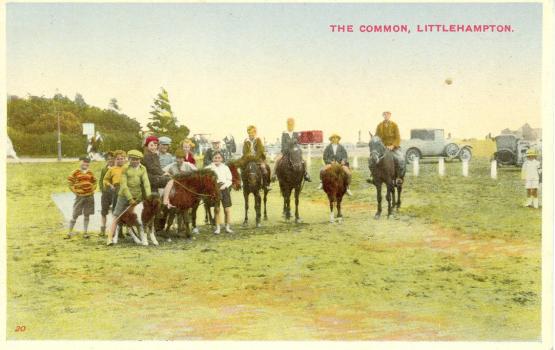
189, 190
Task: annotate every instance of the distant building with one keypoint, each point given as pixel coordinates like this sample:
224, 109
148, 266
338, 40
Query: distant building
525, 132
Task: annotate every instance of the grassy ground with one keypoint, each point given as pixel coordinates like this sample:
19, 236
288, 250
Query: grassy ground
460, 262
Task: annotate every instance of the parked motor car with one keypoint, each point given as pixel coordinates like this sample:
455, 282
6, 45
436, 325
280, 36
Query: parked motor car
511, 150
432, 143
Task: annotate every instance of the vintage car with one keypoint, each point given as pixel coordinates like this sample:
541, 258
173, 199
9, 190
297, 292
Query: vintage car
511, 150
432, 143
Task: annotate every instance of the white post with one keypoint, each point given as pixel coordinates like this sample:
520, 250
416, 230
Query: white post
355, 162
494, 169
415, 166
441, 166
465, 168
309, 158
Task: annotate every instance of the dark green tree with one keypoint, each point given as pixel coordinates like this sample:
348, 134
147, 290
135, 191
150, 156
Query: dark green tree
164, 121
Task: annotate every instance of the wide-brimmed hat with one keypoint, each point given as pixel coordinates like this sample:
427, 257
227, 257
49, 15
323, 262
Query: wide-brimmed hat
164, 140
135, 154
532, 152
335, 136
151, 139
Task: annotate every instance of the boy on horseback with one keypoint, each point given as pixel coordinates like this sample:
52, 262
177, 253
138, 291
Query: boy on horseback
289, 138
179, 167
334, 153
388, 132
133, 183
83, 183
253, 147
151, 162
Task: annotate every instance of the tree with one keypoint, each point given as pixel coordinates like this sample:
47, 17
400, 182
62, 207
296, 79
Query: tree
164, 121
114, 104
79, 100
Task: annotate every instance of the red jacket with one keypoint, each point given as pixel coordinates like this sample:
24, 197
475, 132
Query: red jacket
189, 158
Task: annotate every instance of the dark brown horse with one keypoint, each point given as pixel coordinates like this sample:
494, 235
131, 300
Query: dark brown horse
382, 167
188, 190
253, 181
334, 182
290, 173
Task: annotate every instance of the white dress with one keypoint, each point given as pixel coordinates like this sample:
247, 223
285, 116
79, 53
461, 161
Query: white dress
531, 173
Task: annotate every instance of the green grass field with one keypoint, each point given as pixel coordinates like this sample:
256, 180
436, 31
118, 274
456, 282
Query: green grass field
460, 262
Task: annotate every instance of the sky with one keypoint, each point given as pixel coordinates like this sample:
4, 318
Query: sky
226, 66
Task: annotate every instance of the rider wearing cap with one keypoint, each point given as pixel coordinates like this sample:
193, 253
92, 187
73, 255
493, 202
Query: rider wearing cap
151, 161
253, 147
334, 153
163, 147
133, 182
388, 132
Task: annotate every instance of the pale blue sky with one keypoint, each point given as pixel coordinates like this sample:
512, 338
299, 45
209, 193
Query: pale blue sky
229, 65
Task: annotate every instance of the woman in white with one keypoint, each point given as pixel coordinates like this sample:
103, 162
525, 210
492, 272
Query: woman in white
224, 181
531, 170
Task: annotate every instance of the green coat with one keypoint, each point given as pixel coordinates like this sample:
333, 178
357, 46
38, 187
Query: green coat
134, 181
259, 152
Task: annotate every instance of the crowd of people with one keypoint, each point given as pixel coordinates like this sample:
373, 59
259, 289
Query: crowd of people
128, 177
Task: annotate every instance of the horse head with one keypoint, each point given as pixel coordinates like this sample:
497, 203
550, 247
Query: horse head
296, 157
377, 148
252, 173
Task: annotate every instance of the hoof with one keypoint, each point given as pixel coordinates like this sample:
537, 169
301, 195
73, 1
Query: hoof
340, 220
265, 218
377, 216
298, 221
258, 225
196, 231
245, 223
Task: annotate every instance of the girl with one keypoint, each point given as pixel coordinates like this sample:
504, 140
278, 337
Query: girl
224, 181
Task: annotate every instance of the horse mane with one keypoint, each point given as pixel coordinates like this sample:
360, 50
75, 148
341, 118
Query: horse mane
235, 178
203, 181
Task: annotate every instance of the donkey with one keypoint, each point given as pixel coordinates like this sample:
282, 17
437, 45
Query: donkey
334, 182
382, 167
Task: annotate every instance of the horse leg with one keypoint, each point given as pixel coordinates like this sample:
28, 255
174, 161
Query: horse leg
265, 199
133, 235
257, 205
339, 215
399, 189
297, 193
152, 233
379, 198
187, 223
287, 203
194, 218
246, 197
388, 196
332, 218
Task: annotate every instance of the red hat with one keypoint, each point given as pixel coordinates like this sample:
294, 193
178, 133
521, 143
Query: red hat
150, 139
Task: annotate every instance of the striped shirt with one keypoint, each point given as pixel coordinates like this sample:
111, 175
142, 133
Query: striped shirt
82, 183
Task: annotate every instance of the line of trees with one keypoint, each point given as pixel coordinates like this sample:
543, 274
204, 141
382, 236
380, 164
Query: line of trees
33, 124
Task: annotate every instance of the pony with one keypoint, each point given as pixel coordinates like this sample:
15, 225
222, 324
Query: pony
334, 182
151, 210
188, 190
253, 181
290, 174
382, 167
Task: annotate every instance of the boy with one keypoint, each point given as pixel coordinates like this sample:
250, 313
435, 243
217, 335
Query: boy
224, 181
531, 170
111, 184
107, 194
133, 182
83, 183
165, 157
336, 153
180, 166
253, 147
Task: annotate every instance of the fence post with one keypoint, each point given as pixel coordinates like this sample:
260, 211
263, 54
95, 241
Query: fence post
465, 168
441, 166
309, 158
494, 169
415, 166
355, 162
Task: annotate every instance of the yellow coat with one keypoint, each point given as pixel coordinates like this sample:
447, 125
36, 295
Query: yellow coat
389, 133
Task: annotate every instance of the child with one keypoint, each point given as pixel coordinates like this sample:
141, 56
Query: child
224, 181
83, 183
107, 194
165, 157
187, 145
133, 183
111, 183
180, 166
151, 162
335, 153
531, 170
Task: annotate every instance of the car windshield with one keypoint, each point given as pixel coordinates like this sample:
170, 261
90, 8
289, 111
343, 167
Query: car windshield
506, 141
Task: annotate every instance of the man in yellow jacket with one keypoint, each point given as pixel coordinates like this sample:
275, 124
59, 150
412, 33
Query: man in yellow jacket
388, 131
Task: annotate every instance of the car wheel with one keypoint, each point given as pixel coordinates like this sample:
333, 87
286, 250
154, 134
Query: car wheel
412, 154
465, 154
451, 150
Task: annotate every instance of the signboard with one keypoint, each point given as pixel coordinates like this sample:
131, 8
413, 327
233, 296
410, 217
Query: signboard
88, 129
